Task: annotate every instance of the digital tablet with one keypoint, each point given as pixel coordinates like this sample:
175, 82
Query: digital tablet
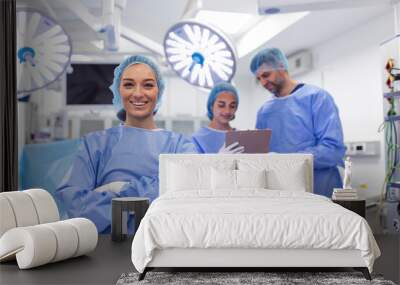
254, 141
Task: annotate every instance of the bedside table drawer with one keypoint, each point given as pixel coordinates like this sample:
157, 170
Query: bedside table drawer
357, 206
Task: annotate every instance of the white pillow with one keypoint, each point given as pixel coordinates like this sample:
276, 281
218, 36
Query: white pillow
251, 178
226, 179
293, 180
187, 175
183, 177
223, 179
282, 173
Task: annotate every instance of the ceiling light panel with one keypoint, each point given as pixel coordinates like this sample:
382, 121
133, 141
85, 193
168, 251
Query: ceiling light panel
230, 23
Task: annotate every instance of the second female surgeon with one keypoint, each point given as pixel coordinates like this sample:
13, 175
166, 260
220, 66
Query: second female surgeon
222, 104
122, 161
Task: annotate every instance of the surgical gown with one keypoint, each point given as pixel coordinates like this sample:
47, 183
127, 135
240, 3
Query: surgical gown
208, 140
307, 121
121, 153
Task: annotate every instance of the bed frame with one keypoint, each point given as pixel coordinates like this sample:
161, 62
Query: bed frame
242, 259
246, 259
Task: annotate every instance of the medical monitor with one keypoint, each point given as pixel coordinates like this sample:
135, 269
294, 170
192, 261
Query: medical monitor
88, 84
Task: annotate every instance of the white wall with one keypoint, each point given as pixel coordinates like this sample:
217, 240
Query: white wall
182, 99
349, 66
243, 118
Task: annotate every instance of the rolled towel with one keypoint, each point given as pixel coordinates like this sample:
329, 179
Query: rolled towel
46, 207
23, 208
87, 235
32, 246
26, 208
67, 240
40, 244
7, 218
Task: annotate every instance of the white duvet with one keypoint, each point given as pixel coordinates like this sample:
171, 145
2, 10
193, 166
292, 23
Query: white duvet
250, 219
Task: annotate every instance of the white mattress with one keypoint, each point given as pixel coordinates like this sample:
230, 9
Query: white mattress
256, 218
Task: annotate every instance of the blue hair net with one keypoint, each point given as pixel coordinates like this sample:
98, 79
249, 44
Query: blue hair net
218, 88
117, 101
272, 58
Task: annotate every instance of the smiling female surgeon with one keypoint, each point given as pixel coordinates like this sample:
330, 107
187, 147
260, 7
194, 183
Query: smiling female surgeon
222, 104
122, 161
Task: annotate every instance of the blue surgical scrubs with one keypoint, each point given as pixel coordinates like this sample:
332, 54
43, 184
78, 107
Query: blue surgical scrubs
208, 140
307, 121
121, 153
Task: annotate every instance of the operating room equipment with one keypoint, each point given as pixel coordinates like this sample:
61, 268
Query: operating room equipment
199, 53
363, 148
392, 118
271, 7
390, 193
43, 51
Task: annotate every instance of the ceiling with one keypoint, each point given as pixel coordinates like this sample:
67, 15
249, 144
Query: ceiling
319, 27
152, 18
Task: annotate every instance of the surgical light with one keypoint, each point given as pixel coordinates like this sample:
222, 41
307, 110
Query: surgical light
199, 53
43, 51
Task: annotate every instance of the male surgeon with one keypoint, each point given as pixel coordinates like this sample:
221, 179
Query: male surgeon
303, 119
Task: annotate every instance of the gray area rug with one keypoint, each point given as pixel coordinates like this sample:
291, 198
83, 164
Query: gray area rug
270, 278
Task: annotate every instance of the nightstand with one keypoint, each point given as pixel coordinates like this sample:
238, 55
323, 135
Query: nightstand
357, 206
121, 208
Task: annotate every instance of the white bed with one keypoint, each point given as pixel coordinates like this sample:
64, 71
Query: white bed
247, 210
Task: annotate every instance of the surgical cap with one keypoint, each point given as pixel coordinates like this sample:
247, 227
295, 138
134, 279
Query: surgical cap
117, 101
218, 88
271, 58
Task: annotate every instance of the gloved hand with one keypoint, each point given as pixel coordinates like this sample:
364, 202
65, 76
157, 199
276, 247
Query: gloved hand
232, 148
115, 187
